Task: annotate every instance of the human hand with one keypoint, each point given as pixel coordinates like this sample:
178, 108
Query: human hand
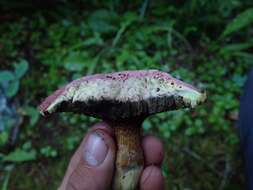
92, 165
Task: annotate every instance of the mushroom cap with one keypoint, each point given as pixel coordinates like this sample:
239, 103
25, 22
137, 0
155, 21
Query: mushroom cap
123, 95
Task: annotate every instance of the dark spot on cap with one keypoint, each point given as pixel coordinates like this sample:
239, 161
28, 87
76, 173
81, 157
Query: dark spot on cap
122, 74
161, 80
158, 89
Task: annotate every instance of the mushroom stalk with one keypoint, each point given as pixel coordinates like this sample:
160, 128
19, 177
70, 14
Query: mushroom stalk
129, 158
124, 99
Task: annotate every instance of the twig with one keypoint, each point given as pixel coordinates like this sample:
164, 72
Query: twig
226, 174
144, 8
120, 32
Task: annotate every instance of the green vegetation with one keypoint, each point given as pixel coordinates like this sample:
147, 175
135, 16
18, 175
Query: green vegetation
44, 45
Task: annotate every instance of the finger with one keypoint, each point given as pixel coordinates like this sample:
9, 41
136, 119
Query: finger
152, 179
153, 150
103, 126
92, 165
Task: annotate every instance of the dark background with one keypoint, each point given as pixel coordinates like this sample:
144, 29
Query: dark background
45, 44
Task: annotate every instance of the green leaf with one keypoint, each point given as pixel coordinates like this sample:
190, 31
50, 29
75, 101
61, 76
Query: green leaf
228, 49
190, 131
20, 156
12, 88
27, 145
76, 61
6, 76
242, 20
101, 21
48, 151
239, 80
21, 68
3, 137
245, 55
32, 113
7, 177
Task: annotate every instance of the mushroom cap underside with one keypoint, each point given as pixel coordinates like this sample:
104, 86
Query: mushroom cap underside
123, 95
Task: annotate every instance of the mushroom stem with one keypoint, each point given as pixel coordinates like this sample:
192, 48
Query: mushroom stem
129, 160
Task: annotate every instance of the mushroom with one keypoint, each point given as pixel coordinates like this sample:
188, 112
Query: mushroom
124, 99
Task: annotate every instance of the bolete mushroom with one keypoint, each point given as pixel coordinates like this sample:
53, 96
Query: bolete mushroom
124, 99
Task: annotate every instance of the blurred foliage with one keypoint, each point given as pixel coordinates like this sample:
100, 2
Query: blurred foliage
45, 44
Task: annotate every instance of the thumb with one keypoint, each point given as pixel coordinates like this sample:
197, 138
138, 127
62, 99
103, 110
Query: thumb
92, 165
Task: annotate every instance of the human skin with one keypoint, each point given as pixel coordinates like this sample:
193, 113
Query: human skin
82, 175
124, 100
